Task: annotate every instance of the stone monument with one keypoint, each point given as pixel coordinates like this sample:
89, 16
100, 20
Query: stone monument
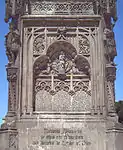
61, 75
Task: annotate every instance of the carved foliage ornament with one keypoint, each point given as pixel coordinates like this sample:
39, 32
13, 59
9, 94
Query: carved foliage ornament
38, 45
84, 46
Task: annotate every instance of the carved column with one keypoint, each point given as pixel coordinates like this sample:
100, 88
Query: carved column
12, 78
111, 76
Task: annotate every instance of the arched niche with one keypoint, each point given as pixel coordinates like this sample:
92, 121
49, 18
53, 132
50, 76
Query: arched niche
40, 64
47, 79
55, 48
61, 53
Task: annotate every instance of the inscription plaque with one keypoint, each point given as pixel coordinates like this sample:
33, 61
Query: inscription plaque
61, 137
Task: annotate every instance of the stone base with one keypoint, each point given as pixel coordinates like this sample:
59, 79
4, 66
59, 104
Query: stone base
76, 133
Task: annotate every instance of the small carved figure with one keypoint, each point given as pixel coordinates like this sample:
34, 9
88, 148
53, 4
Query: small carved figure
12, 44
61, 63
110, 44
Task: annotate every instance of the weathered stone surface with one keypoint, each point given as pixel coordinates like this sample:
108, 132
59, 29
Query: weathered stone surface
61, 75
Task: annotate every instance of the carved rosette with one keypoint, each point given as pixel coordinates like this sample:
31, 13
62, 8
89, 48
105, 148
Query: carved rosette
12, 77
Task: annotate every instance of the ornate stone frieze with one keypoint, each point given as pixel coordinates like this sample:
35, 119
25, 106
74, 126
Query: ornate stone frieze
12, 44
62, 85
61, 8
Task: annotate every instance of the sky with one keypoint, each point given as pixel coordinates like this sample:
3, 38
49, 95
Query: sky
3, 59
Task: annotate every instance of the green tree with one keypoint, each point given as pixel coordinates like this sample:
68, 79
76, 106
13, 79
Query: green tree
119, 110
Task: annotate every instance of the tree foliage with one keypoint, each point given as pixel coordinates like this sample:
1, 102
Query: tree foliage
119, 110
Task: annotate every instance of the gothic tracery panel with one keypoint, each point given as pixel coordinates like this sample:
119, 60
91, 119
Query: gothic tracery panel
59, 77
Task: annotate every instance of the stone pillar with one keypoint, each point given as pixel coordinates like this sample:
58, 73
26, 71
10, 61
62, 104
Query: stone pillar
93, 73
24, 73
12, 78
101, 71
30, 76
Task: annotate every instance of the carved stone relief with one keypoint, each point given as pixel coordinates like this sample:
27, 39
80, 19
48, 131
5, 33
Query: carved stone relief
84, 46
39, 45
110, 45
62, 101
13, 141
60, 72
60, 36
69, 8
12, 44
12, 77
111, 96
61, 96
12, 96
43, 100
61, 63
111, 76
61, 33
61, 85
81, 101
